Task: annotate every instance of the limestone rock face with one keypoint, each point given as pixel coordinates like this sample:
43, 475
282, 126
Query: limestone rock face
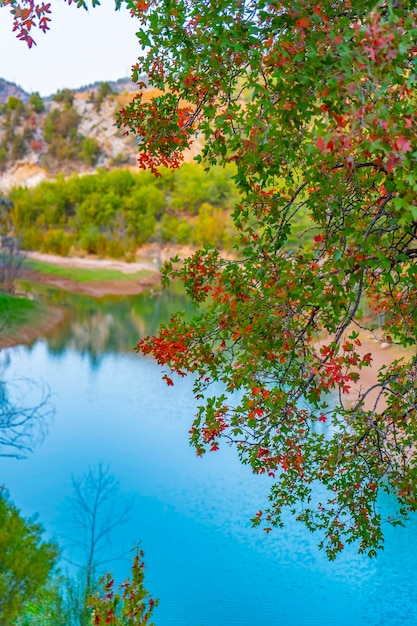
62, 134
72, 131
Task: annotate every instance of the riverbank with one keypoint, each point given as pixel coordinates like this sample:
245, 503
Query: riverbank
28, 331
142, 274
85, 276
89, 276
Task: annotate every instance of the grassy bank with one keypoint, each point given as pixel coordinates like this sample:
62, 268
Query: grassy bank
22, 320
80, 274
16, 313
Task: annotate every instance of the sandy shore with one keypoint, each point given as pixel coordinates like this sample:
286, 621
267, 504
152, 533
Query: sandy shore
149, 261
92, 263
382, 354
121, 287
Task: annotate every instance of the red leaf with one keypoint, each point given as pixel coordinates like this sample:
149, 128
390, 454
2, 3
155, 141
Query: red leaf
403, 145
303, 22
320, 144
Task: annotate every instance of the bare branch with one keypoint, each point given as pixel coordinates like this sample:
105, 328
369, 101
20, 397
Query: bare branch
25, 413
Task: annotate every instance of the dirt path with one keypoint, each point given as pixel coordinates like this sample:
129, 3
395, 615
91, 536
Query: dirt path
97, 289
97, 264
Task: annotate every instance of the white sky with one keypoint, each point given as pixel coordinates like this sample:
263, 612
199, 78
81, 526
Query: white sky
80, 48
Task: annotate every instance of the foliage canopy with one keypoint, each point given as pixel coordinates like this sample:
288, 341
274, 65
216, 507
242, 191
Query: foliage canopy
314, 102
25, 560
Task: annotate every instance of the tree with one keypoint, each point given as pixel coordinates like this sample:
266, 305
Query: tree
26, 560
133, 607
11, 261
11, 258
65, 96
103, 92
89, 150
49, 607
36, 102
68, 600
28, 15
314, 102
15, 104
96, 514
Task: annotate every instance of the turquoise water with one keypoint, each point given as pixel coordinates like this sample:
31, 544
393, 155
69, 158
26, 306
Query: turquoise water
203, 561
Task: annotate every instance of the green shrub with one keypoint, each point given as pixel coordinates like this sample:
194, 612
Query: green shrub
64, 96
31, 238
104, 91
36, 103
15, 104
3, 157
130, 208
17, 148
184, 232
61, 122
89, 150
57, 241
91, 240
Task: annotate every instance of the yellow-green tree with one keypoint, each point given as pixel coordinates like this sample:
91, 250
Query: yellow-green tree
26, 560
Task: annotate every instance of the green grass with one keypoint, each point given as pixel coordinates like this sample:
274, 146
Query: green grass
16, 312
81, 275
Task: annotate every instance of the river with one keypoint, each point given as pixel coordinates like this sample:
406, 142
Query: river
191, 515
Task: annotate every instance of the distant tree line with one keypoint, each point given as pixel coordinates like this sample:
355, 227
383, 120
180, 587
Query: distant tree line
111, 213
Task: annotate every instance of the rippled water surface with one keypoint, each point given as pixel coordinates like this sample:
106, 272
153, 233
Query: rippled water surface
204, 562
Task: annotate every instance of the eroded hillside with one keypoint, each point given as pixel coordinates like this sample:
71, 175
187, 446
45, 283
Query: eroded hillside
69, 132
73, 131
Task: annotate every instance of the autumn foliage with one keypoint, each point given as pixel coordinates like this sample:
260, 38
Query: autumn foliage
315, 104
130, 604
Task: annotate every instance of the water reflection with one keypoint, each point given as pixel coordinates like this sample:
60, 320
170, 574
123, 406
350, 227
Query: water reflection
114, 324
191, 515
98, 512
25, 412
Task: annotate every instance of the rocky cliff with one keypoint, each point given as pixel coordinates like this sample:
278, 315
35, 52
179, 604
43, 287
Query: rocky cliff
8, 89
72, 131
